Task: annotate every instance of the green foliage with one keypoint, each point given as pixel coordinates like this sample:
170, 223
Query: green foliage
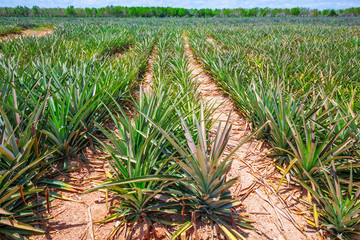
142, 170
24, 163
120, 11
314, 120
207, 193
338, 205
52, 90
6, 30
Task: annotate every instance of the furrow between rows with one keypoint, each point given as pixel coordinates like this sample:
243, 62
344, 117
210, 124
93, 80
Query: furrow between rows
274, 219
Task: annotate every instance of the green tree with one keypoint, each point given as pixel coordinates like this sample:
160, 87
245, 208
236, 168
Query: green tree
325, 12
183, 12
35, 11
200, 13
315, 13
208, 12
295, 11
332, 13
265, 11
21, 11
252, 12
226, 12
70, 11
89, 12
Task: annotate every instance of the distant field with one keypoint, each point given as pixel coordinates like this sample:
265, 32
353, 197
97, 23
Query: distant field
133, 106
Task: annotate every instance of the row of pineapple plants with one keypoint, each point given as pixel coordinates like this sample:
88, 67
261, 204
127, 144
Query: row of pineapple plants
280, 74
163, 163
53, 90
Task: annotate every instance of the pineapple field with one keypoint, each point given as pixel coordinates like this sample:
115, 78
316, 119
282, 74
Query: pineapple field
180, 128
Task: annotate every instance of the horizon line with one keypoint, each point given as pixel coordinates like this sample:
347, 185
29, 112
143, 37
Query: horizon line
194, 8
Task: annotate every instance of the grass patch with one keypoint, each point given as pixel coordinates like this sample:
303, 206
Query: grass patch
42, 28
4, 31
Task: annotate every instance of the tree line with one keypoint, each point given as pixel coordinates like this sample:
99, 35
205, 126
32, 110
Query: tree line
119, 11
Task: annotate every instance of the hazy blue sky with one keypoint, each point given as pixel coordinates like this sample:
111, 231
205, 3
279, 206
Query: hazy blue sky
319, 4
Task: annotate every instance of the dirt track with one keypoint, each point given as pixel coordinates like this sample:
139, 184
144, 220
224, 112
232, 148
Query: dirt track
258, 177
26, 33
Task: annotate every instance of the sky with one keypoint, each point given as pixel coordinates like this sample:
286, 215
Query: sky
319, 4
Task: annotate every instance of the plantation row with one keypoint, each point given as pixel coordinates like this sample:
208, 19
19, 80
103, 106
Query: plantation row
304, 79
80, 87
54, 90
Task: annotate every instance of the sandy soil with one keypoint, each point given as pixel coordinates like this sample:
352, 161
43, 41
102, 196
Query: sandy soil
215, 43
28, 32
147, 82
276, 216
76, 218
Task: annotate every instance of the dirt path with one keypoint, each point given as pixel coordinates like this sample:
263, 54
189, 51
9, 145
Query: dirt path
215, 43
77, 219
28, 32
148, 77
257, 175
